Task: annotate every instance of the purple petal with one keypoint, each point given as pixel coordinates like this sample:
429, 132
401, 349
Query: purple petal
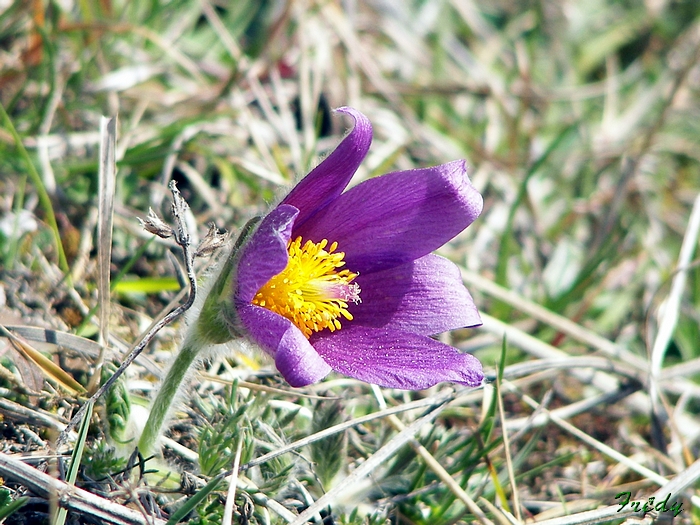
265, 254
328, 180
398, 217
425, 296
396, 359
295, 358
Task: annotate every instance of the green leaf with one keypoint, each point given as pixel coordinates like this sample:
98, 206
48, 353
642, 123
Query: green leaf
148, 285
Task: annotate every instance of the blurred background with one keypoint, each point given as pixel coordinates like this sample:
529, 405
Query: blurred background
580, 122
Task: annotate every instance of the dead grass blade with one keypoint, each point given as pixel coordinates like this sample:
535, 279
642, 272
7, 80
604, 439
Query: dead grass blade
107, 176
373, 462
76, 499
50, 369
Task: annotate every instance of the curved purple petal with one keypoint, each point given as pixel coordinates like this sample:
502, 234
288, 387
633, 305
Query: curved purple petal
398, 217
265, 254
425, 296
397, 359
328, 180
295, 358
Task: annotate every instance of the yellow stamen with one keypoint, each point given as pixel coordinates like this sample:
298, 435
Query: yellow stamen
311, 292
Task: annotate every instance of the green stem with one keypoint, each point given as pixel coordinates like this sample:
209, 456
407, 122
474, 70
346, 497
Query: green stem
212, 325
167, 394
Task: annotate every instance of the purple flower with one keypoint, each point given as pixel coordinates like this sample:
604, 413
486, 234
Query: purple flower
345, 281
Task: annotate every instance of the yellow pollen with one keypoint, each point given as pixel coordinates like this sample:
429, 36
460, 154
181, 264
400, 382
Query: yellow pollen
311, 291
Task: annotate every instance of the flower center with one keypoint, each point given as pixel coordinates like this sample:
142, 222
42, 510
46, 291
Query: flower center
311, 292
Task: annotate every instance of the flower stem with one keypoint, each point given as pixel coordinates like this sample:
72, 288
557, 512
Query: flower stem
168, 394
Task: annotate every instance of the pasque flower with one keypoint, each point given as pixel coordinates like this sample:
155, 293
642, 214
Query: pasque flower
346, 281
342, 280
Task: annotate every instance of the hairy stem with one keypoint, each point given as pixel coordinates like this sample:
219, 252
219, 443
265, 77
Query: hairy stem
168, 394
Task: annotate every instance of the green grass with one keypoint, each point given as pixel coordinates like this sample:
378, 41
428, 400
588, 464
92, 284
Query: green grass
580, 125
